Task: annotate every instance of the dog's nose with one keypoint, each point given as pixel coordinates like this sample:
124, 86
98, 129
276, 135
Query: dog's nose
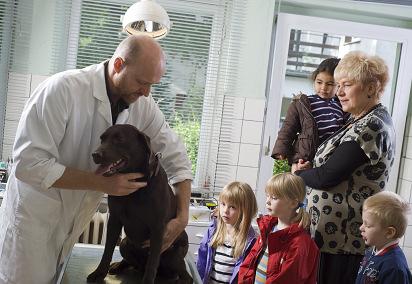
97, 157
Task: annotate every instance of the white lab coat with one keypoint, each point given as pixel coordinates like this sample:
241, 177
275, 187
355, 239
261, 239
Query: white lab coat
61, 126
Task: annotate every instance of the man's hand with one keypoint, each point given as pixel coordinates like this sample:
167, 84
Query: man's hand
173, 229
120, 184
176, 226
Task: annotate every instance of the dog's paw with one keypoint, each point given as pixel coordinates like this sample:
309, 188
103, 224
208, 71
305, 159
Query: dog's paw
96, 276
118, 267
148, 279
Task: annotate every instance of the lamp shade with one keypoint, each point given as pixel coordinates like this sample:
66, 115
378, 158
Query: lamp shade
146, 17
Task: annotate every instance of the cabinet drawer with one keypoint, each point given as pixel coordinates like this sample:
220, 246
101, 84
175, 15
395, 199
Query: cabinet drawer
196, 233
193, 251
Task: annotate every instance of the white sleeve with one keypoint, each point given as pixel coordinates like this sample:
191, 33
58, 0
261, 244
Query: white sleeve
163, 139
40, 130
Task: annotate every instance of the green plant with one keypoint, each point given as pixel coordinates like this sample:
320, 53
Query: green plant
188, 130
280, 166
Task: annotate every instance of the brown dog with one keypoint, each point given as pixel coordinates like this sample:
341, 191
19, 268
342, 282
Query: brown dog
143, 214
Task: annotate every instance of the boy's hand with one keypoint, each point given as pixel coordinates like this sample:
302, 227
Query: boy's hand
280, 157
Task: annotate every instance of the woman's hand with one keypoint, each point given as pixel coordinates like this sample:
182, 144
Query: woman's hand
301, 165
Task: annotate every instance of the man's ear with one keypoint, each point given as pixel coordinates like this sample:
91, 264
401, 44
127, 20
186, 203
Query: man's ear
390, 232
118, 64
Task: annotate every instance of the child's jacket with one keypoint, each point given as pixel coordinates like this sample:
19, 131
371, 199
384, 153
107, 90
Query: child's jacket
388, 267
206, 252
293, 255
298, 137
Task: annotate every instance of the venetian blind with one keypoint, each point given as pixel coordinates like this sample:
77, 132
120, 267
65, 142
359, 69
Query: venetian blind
202, 50
15, 20
196, 93
33, 44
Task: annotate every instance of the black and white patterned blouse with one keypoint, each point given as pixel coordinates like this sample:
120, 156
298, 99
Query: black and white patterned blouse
336, 211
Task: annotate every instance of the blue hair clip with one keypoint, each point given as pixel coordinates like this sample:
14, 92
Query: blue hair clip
303, 204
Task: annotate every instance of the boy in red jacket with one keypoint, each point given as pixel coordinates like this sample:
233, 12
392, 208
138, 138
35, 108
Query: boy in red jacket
284, 252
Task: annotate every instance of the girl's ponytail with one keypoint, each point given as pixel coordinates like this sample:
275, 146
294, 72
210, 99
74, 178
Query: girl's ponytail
303, 217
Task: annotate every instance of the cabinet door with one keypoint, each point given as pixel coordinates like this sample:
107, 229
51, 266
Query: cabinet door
195, 231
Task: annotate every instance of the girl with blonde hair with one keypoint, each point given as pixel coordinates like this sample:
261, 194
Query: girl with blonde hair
230, 236
284, 252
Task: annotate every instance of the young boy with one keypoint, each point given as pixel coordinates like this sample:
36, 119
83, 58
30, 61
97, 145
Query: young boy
384, 222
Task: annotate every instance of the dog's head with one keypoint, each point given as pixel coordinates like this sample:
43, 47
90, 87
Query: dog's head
124, 149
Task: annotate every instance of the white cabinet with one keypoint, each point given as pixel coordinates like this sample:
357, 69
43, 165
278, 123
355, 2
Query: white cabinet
196, 231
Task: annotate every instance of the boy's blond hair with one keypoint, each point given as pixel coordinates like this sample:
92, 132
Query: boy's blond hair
390, 209
241, 195
292, 187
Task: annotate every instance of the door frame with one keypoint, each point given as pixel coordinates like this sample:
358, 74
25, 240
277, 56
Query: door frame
287, 22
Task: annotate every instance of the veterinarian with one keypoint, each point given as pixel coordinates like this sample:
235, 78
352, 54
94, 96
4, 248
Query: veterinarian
52, 191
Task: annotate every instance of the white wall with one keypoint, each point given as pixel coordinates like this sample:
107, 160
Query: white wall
242, 148
41, 46
405, 185
255, 49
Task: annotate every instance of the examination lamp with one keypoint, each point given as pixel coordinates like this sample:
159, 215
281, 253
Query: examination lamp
146, 17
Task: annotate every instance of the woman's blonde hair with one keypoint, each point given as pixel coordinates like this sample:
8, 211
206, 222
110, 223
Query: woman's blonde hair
390, 210
363, 68
291, 187
241, 195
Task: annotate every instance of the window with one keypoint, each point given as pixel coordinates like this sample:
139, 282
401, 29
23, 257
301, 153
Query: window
202, 50
180, 93
307, 49
15, 27
189, 92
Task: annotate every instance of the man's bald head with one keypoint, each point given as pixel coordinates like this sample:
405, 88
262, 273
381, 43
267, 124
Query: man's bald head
135, 47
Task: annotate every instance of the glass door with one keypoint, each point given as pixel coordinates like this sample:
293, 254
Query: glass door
301, 43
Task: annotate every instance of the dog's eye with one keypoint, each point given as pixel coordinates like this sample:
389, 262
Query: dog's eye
118, 139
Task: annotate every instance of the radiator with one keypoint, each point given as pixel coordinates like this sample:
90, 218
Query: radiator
95, 232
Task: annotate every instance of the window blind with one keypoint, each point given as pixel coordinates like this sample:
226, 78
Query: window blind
195, 94
201, 51
15, 23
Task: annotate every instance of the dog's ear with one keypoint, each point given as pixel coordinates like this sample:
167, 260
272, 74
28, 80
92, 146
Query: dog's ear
147, 140
153, 163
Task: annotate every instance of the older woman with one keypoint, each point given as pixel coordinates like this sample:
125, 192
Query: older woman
350, 166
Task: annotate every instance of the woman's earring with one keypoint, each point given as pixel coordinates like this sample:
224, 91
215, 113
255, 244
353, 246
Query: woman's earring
369, 96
